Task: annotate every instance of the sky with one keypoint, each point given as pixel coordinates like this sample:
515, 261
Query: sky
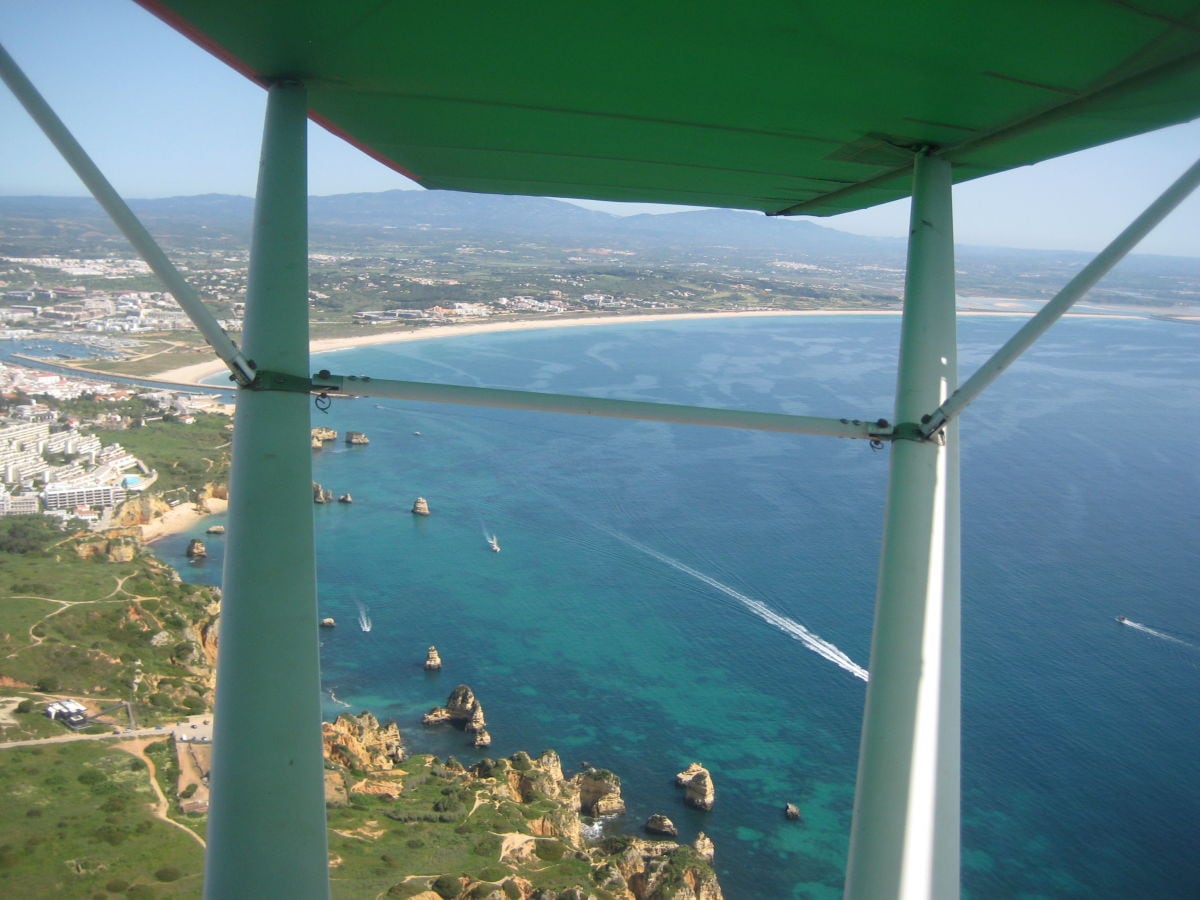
162, 118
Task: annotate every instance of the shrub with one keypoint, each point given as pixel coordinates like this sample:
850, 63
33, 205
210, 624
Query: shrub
493, 873
117, 886
550, 851
110, 834
47, 684
91, 776
168, 873
446, 886
188, 791
25, 706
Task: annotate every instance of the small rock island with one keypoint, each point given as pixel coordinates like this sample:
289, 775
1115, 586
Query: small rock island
433, 662
701, 794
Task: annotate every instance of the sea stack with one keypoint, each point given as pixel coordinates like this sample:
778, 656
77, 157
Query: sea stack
462, 709
196, 549
433, 662
420, 507
660, 824
792, 811
328, 622
696, 779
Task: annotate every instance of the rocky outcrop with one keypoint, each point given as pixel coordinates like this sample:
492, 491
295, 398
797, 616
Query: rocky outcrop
704, 847
462, 710
119, 545
196, 549
328, 622
361, 743
321, 494
140, 510
357, 437
698, 783
660, 824
600, 793
621, 868
657, 870
420, 507
433, 662
320, 435
792, 811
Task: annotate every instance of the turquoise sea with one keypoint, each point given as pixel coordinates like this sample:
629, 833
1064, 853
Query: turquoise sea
669, 593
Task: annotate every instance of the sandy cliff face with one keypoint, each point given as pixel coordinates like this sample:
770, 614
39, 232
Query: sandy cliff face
361, 743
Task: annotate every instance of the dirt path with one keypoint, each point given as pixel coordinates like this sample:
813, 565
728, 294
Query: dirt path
163, 805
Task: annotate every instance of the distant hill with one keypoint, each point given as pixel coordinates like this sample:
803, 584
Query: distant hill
485, 216
433, 220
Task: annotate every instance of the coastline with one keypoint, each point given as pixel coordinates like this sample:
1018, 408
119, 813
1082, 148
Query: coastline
182, 517
194, 373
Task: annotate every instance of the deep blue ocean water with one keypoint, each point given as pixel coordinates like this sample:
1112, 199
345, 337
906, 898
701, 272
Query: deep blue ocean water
654, 582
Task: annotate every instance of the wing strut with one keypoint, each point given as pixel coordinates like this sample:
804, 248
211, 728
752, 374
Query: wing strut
904, 838
266, 832
123, 218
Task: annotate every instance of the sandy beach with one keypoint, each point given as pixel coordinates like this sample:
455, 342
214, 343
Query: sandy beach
181, 518
195, 373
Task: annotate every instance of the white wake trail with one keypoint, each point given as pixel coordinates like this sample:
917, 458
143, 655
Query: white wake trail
364, 620
1158, 634
787, 625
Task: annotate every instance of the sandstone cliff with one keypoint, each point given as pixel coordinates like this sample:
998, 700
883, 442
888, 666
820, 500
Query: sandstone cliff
360, 743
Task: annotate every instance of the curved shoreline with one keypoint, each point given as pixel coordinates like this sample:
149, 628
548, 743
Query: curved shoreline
194, 373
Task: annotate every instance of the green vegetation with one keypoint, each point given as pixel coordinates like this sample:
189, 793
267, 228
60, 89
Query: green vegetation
75, 821
27, 534
88, 628
185, 456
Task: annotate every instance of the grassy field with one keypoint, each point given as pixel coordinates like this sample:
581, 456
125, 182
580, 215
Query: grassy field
75, 821
112, 622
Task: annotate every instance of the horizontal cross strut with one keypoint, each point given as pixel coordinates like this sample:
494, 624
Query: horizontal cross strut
324, 383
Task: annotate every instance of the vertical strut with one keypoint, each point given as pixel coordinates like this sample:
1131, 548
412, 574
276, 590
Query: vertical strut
266, 833
904, 840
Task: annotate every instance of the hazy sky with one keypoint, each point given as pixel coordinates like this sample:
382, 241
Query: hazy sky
162, 118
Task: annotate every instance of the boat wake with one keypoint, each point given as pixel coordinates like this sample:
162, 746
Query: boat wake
1158, 634
334, 697
788, 626
364, 621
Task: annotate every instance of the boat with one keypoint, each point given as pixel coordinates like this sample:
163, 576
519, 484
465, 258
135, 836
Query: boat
364, 621
494, 544
1122, 620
